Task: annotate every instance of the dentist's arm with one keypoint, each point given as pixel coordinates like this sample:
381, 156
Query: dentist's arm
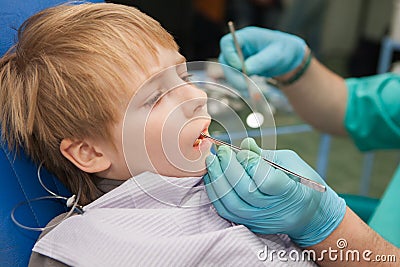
319, 96
357, 237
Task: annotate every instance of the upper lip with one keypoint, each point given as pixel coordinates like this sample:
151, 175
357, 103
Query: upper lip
204, 130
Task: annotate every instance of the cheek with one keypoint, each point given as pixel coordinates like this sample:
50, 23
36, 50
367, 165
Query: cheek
169, 144
141, 139
164, 124
161, 136
152, 136
165, 140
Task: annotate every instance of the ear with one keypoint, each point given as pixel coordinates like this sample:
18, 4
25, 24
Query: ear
85, 155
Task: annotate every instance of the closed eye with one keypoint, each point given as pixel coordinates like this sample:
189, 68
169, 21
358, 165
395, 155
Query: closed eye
187, 77
154, 100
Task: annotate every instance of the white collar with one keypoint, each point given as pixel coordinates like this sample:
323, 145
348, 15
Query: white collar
150, 190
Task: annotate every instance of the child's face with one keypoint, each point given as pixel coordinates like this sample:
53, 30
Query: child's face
163, 122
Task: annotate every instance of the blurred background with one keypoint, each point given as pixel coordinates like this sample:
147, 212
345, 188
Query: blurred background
345, 35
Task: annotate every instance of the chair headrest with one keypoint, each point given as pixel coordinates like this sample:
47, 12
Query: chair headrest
19, 183
18, 175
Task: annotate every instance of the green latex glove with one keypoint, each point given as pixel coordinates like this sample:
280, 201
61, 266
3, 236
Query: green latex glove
247, 190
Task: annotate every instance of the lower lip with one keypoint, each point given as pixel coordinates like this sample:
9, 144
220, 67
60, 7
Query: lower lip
205, 144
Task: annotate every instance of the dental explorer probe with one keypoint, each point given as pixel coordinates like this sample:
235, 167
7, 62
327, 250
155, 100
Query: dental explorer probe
303, 180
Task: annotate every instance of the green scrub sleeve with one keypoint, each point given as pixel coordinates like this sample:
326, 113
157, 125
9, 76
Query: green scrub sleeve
373, 111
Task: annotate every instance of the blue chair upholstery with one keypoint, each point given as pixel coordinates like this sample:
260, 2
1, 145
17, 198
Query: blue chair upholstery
18, 175
19, 183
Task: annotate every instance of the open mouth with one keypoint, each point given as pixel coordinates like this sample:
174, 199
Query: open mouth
200, 138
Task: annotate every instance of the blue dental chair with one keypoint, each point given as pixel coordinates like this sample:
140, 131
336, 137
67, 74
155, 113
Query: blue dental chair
18, 175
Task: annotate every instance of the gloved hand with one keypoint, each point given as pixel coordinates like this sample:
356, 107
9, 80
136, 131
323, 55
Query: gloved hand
267, 53
247, 190
236, 78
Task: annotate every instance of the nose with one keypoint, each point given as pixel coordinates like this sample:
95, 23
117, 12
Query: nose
194, 101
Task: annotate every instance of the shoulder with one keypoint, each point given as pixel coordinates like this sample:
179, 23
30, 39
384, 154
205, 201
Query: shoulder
38, 259
53, 223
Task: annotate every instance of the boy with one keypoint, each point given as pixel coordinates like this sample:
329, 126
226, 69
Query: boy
64, 92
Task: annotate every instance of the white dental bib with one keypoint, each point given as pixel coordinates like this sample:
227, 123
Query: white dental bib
152, 220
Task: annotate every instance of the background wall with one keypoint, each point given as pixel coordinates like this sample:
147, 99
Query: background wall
351, 35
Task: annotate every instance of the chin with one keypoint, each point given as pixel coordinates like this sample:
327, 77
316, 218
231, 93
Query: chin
191, 163
192, 169
200, 173
194, 173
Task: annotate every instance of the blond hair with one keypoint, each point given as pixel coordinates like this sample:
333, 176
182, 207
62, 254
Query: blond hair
59, 80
